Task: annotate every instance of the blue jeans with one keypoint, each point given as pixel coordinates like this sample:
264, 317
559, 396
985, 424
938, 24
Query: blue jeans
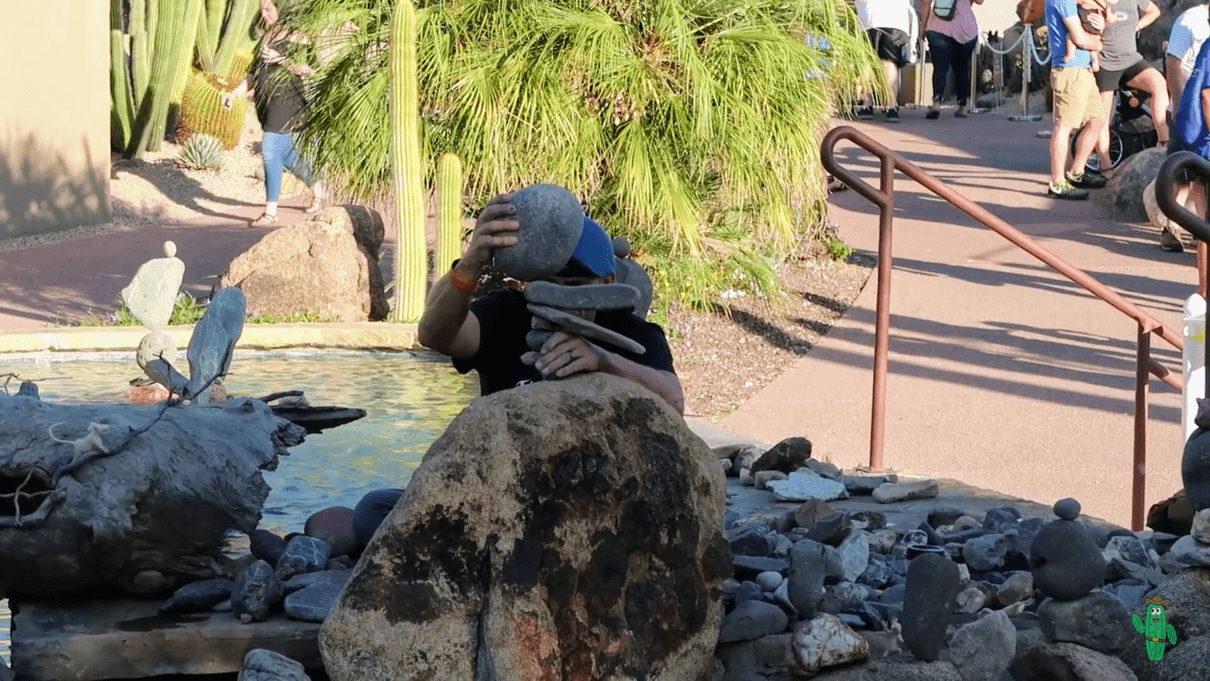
947, 53
278, 150
371, 511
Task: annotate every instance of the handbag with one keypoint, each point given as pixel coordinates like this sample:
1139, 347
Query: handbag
945, 9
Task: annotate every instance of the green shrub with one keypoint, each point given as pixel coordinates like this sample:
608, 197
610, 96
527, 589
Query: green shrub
201, 152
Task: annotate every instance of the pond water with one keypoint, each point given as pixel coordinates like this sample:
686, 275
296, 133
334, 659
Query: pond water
409, 400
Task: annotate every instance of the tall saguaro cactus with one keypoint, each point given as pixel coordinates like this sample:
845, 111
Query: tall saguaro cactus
224, 30
449, 210
411, 271
162, 34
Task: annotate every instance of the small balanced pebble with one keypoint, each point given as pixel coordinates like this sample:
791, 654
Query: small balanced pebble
1067, 509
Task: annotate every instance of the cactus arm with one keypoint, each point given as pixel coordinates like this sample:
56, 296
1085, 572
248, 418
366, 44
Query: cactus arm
115, 16
1138, 624
1171, 634
119, 84
170, 49
237, 35
449, 210
411, 270
152, 22
209, 29
184, 64
138, 16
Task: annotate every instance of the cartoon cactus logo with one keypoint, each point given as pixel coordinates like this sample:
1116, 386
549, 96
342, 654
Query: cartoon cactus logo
1155, 629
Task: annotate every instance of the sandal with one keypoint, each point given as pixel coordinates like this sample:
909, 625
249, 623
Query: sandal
960, 113
265, 220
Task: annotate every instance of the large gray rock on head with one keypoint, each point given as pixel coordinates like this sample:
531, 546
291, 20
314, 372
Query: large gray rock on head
151, 294
561, 530
551, 220
930, 593
1065, 561
327, 266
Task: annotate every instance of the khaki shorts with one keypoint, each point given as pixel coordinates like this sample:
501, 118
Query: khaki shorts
1077, 98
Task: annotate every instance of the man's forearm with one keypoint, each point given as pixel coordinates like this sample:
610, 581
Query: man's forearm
1176, 80
662, 383
444, 312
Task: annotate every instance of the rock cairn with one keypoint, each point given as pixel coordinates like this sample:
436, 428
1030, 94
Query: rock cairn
963, 595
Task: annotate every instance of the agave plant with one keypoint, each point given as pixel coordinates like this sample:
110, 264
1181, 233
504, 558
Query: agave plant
690, 126
201, 152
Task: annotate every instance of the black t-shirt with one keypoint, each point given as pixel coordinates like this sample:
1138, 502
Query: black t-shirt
504, 319
281, 103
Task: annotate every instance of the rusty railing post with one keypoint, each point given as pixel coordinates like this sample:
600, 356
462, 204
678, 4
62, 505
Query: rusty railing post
882, 328
1142, 389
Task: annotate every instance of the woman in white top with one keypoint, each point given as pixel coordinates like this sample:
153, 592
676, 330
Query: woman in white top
893, 30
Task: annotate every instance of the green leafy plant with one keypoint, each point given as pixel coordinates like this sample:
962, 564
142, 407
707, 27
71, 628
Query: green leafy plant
837, 248
201, 152
671, 117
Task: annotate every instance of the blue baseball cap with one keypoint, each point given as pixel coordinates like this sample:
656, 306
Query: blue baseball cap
593, 255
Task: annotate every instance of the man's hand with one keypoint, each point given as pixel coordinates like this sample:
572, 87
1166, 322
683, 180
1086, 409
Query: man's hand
564, 354
495, 228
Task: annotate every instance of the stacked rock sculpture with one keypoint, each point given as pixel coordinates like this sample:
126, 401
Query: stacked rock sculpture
1065, 561
555, 308
150, 297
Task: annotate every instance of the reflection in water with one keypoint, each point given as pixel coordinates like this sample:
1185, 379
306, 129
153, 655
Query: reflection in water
408, 399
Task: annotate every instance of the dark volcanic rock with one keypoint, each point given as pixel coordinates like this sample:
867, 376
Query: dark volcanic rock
786, 456
1098, 621
932, 587
202, 595
753, 539
303, 554
267, 546
811, 563
256, 591
831, 529
750, 566
1065, 561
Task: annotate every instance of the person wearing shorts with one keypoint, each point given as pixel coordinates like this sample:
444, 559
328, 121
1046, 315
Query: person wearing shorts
1122, 66
892, 29
1190, 30
1077, 102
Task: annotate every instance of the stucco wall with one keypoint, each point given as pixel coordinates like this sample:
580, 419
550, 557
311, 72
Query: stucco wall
54, 115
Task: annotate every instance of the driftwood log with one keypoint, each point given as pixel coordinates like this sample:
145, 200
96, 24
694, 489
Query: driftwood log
134, 497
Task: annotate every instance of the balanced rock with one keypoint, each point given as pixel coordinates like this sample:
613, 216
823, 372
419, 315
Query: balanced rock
786, 456
551, 221
152, 294
824, 641
266, 665
256, 591
1065, 561
929, 597
1067, 509
582, 539
212, 345
589, 297
327, 265
633, 274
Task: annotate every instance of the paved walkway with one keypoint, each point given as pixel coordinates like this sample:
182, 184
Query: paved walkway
1003, 373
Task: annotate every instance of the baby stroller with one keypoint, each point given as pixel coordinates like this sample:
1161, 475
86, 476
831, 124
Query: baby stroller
1131, 129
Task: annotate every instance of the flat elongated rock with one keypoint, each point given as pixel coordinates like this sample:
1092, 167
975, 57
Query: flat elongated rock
551, 221
197, 596
128, 639
313, 603
588, 297
577, 324
213, 341
803, 486
906, 491
336, 578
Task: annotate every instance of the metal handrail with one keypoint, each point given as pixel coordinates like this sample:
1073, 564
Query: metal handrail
884, 198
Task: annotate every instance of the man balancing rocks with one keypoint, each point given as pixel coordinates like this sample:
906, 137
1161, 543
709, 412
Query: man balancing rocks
571, 318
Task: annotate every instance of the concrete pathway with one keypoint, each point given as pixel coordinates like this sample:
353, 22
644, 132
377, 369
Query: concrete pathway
1003, 373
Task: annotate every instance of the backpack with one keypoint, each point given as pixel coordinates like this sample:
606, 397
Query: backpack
945, 9
1030, 11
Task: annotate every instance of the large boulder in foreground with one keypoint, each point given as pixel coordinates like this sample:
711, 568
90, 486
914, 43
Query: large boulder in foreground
561, 530
1130, 179
327, 265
